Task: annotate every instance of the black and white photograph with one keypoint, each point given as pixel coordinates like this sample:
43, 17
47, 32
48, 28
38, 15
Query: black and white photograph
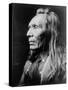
37, 44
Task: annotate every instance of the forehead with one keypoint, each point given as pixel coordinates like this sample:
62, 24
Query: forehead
38, 19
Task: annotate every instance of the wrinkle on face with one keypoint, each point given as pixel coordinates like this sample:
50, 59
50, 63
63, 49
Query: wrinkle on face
37, 27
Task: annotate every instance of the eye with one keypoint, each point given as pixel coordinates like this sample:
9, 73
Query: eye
35, 26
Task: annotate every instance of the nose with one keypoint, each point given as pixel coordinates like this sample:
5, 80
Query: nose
29, 33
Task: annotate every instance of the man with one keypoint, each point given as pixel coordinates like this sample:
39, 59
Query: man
46, 62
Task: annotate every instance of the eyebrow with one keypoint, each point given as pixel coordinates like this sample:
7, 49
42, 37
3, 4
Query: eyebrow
40, 25
32, 25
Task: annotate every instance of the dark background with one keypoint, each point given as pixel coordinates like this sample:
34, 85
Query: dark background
21, 16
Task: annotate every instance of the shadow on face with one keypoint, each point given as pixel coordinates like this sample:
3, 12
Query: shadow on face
36, 32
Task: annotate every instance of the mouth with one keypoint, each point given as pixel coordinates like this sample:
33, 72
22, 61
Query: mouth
31, 42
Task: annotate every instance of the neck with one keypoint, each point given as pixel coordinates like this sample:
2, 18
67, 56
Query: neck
34, 54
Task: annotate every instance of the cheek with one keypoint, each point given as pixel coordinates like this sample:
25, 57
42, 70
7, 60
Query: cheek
38, 36
38, 32
41, 39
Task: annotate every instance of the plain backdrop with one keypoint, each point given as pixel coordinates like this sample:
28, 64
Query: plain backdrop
4, 43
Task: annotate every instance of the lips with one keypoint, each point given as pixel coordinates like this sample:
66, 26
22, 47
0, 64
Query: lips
31, 42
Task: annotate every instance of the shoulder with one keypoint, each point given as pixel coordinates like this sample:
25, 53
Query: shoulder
27, 66
61, 53
57, 75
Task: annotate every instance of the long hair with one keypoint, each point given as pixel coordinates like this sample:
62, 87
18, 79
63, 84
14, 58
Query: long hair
51, 26
51, 33
53, 22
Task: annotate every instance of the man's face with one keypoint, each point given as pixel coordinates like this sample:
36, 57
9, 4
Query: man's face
37, 27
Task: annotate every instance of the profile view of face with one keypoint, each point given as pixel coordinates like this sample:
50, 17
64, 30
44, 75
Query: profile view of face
37, 27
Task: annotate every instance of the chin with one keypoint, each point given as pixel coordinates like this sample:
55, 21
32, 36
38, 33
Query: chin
33, 47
